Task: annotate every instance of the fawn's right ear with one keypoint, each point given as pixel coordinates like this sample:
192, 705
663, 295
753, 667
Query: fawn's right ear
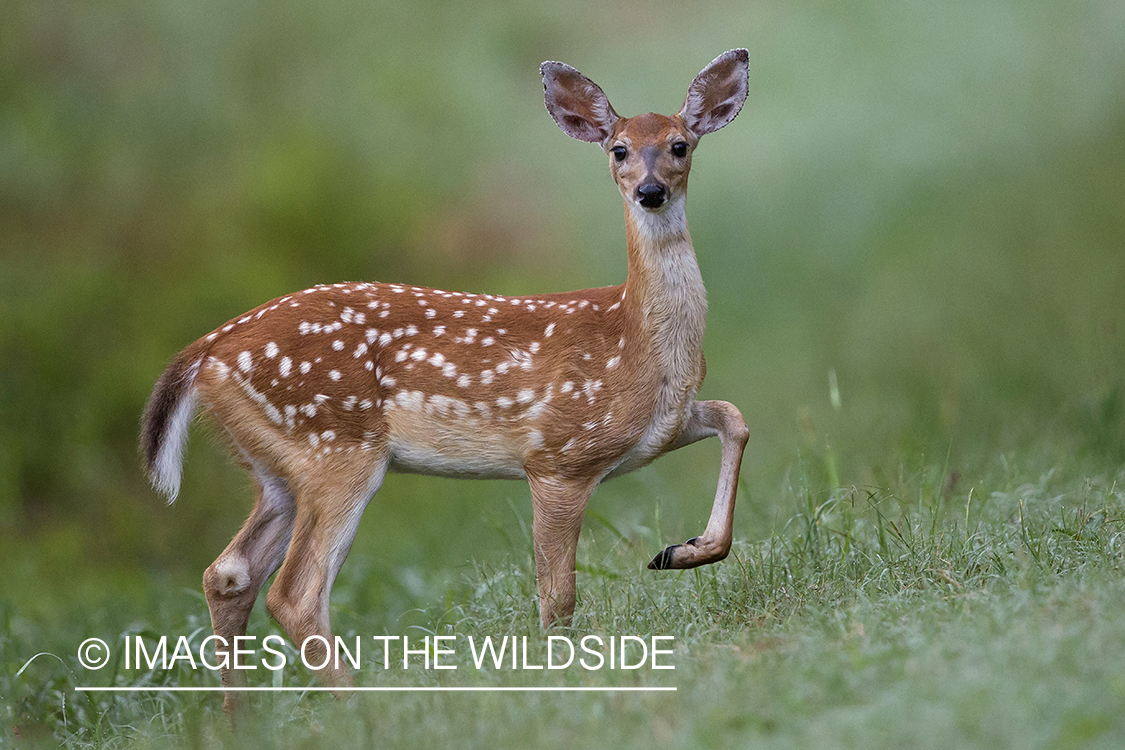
578, 105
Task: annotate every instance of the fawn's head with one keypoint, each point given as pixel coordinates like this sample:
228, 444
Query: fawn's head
650, 154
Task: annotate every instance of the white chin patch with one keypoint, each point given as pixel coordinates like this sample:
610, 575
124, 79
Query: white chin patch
669, 218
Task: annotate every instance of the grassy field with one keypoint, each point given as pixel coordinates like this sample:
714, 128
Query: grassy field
913, 238
990, 616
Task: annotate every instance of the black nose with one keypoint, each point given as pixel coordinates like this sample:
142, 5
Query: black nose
651, 195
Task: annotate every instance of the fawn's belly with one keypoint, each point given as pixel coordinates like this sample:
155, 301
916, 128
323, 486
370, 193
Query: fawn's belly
446, 437
449, 438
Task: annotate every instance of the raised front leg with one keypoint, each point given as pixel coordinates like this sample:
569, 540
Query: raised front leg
558, 506
722, 419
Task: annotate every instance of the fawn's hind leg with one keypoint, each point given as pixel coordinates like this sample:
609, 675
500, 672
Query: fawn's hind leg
330, 503
233, 581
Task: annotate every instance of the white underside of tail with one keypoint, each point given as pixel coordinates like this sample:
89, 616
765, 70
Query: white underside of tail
167, 468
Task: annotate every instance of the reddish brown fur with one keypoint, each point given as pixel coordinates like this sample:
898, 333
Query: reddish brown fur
587, 329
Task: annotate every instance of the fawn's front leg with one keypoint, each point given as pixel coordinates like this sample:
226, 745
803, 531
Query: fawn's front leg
711, 418
558, 506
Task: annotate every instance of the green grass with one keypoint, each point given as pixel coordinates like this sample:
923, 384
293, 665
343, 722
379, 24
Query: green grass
991, 614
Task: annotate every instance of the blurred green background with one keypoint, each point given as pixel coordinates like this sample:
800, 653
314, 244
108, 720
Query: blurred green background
923, 203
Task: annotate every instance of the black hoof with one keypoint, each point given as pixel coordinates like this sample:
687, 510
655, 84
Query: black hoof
663, 561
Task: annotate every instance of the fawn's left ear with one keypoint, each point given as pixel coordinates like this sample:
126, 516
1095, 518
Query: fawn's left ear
717, 93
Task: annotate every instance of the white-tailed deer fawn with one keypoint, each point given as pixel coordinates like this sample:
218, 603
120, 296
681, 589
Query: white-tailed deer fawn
324, 391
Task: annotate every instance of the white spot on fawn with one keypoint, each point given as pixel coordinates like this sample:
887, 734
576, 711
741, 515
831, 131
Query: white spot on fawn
285, 367
411, 400
271, 350
245, 361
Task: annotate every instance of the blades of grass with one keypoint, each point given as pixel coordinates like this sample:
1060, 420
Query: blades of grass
879, 520
598, 571
968, 504
595, 516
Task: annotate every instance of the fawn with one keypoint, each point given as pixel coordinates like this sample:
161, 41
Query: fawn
324, 391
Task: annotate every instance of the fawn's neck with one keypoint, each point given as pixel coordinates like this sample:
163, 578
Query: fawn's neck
664, 291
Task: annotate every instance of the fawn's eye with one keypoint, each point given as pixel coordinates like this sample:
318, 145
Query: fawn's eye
679, 149
619, 153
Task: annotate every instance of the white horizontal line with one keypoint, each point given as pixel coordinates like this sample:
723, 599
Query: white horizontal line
384, 689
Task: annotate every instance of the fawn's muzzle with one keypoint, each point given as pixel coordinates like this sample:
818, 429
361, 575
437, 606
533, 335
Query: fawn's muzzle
652, 195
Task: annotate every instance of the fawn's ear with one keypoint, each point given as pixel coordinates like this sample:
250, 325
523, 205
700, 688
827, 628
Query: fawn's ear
717, 93
578, 105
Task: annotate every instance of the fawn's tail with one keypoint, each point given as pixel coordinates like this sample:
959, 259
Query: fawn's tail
167, 417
